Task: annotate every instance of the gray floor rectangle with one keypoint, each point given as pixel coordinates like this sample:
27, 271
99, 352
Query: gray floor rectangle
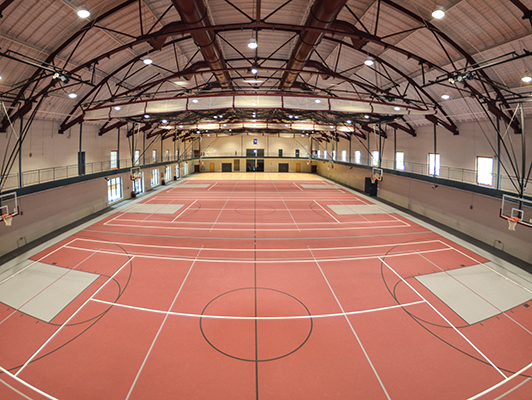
315, 186
351, 209
478, 292
193, 186
43, 290
151, 208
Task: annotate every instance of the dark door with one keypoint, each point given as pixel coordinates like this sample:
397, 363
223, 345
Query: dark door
250, 165
297, 153
283, 167
280, 152
250, 153
260, 153
236, 165
226, 167
260, 165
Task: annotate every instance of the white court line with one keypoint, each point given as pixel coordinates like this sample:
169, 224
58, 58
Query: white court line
366, 221
72, 316
212, 186
251, 260
239, 250
22, 381
298, 186
234, 317
352, 329
506, 379
195, 228
181, 213
445, 319
218, 217
160, 329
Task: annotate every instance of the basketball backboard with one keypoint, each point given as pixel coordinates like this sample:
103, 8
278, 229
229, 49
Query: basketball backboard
517, 208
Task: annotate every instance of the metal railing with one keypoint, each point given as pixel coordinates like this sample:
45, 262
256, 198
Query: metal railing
44, 175
453, 174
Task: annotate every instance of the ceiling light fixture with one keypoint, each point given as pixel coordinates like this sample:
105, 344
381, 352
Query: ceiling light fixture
146, 116
117, 108
180, 126
147, 60
445, 96
397, 108
195, 101
366, 116
254, 70
369, 61
526, 78
252, 44
215, 117
72, 95
83, 13
438, 13
164, 121
349, 121
317, 101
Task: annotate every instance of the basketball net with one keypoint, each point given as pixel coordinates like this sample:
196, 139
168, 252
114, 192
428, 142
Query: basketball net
512, 223
7, 219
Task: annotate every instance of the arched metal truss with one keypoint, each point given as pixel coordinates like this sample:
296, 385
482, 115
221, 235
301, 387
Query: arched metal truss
294, 74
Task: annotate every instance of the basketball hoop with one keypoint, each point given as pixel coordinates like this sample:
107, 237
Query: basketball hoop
8, 218
512, 222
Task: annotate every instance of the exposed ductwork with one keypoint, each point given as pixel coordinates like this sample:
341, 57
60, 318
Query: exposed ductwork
194, 14
321, 16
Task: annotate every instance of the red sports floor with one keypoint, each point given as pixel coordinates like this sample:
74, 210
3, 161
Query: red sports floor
258, 290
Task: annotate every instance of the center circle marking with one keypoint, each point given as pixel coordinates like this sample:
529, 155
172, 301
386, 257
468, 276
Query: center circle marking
256, 340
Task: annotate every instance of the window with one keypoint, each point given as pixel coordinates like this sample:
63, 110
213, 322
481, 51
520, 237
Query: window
138, 184
137, 157
434, 164
325, 154
168, 174
114, 159
154, 156
114, 189
400, 160
334, 155
375, 158
177, 171
177, 154
319, 153
154, 177
485, 171
344, 155
358, 156
167, 155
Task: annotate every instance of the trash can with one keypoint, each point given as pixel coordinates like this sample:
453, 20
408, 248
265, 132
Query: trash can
370, 187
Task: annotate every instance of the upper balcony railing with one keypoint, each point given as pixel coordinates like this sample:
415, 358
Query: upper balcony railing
43, 175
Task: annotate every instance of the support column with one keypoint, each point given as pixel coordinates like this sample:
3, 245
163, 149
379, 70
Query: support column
20, 180
435, 149
369, 150
523, 149
394, 148
81, 154
144, 149
498, 182
118, 149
